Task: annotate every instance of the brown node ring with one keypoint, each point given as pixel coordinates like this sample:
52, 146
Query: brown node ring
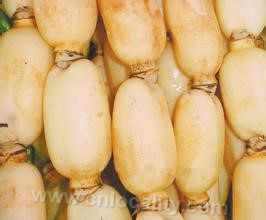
65, 58
12, 153
256, 144
23, 13
147, 71
209, 88
158, 201
241, 39
199, 203
23, 16
82, 194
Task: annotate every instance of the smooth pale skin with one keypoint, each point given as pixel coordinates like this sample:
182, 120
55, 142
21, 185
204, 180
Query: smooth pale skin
10, 7
66, 24
249, 182
171, 79
142, 134
117, 72
99, 62
104, 204
242, 84
20, 185
98, 38
234, 149
22, 78
224, 184
235, 15
199, 133
134, 25
196, 35
77, 121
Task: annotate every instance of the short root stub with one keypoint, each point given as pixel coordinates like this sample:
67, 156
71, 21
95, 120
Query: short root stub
256, 144
64, 58
12, 153
147, 70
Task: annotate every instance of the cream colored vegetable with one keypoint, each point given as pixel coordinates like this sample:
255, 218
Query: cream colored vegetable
117, 71
244, 100
197, 39
171, 79
21, 192
22, 78
66, 24
243, 92
99, 62
143, 136
199, 132
74, 130
250, 17
249, 182
132, 26
78, 130
130, 129
234, 150
105, 203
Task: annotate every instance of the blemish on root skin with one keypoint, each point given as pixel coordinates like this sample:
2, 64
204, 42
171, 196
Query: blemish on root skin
100, 114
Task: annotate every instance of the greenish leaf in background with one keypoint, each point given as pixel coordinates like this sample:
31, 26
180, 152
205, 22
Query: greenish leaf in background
4, 22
